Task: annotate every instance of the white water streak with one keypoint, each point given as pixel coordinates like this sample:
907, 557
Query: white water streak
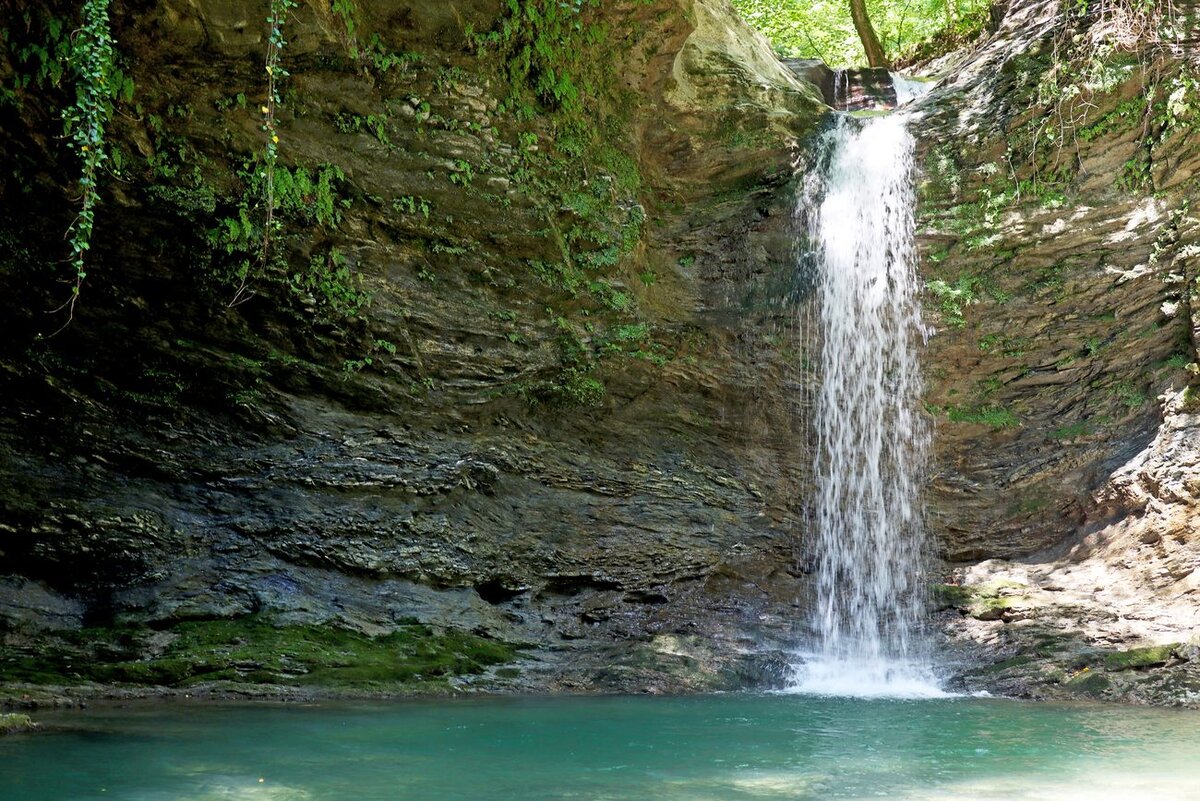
871, 440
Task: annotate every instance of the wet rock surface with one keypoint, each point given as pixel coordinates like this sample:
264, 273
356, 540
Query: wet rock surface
561, 423
1062, 372
570, 420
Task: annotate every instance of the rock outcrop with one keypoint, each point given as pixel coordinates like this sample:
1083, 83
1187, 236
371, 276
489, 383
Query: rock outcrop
512, 375
511, 396
1060, 242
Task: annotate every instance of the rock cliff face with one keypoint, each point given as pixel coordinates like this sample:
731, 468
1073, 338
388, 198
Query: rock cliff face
1060, 242
512, 374
513, 398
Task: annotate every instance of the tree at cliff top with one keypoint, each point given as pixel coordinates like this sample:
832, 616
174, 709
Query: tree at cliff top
825, 29
867, 35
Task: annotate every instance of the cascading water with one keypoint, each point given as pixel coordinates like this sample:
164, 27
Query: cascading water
871, 440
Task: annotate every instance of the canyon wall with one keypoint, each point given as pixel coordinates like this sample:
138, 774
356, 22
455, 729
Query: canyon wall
512, 397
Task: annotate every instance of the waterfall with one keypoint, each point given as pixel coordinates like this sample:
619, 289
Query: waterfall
871, 440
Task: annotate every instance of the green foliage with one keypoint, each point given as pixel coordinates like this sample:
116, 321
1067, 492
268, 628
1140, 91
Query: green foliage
1129, 395
995, 417
98, 83
1073, 431
609, 296
375, 124
1178, 361
462, 173
544, 44
579, 388
823, 28
953, 299
1005, 345
304, 201
83, 60
344, 10
276, 74
230, 101
412, 204
384, 60
560, 275
329, 282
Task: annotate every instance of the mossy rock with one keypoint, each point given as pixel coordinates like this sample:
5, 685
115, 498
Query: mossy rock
1010, 664
990, 607
15, 723
1134, 658
1089, 683
950, 596
252, 650
981, 601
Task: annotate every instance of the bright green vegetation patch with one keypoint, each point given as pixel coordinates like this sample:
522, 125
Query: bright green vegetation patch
996, 417
1129, 395
981, 601
1150, 656
252, 650
993, 594
953, 299
1178, 361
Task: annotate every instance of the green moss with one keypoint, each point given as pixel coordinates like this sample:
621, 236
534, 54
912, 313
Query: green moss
15, 723
573, 387
1134, 658
990, 607
1125, 116
995, 417
1178, 361
1028, 503
1080, 429
254, 650
984, 601
1005, 345
1008, 664
1089, 682
946, 596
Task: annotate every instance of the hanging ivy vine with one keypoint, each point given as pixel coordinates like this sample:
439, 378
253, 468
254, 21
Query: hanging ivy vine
276, 75
98, 84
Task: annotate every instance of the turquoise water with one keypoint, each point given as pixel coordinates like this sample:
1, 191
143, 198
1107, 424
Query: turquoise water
715, 748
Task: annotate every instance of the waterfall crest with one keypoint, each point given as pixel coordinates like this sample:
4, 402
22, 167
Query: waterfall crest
871, 441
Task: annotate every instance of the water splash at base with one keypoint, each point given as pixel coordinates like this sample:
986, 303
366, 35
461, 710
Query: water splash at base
883, 679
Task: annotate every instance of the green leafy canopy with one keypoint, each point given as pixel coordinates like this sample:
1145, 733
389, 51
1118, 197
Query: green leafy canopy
823, 29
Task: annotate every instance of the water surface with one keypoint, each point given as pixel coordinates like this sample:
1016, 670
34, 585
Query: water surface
715, 748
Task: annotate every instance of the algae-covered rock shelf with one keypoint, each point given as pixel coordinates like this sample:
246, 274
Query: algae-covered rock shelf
509, 390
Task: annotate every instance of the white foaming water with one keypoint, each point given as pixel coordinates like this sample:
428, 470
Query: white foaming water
871, 441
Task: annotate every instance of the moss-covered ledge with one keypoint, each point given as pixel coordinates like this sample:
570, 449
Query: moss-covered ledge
255, 650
